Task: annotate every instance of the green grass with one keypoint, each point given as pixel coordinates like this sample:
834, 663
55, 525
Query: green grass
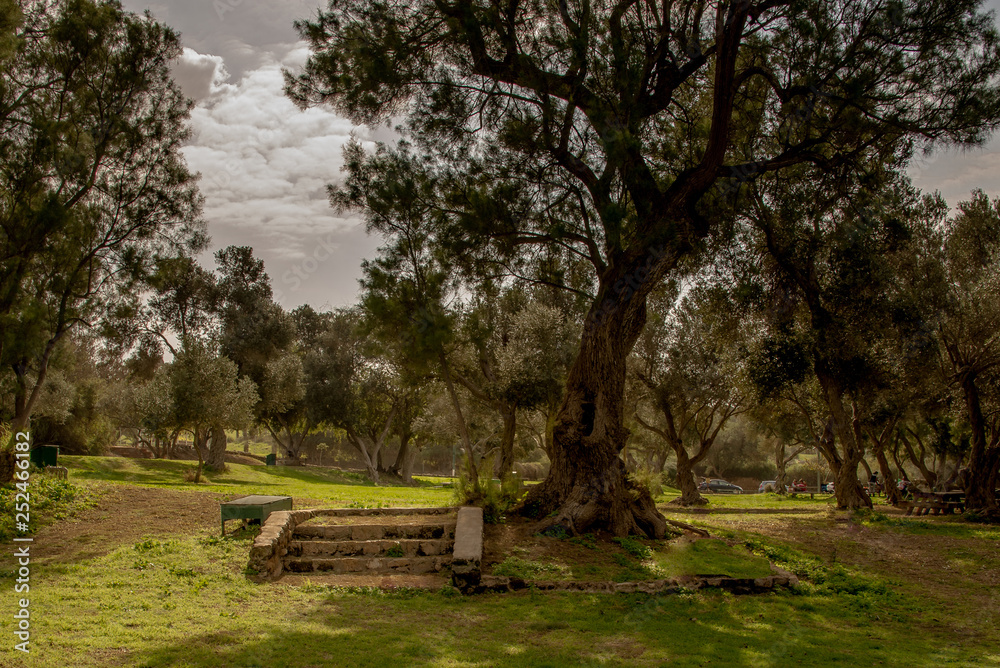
952, 526
709, 557
185, 601
49, 499
527, 569
332, 486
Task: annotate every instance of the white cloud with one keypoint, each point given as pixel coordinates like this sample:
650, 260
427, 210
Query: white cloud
264, 168
265, 163
199, 75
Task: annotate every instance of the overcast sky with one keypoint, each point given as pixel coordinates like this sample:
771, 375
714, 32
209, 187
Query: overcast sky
264, 164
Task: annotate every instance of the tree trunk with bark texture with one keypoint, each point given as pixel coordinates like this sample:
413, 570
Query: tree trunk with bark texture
984, 458
849, 491
930, 477
690, 495
406, 473
7, 465
200, 438
888, 481
505, 462
217, 452
587, 485
402, 454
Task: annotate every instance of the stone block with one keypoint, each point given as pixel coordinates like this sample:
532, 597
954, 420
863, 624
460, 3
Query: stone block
467, 554
367, 532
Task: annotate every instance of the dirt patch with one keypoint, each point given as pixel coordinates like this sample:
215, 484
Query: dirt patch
943, 567
124, 514
593, 557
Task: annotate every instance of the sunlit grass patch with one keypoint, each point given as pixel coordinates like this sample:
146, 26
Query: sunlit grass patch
709, 557
332, 486
49, 499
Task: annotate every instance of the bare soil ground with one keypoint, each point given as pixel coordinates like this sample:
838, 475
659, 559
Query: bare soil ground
125, 514
939, 566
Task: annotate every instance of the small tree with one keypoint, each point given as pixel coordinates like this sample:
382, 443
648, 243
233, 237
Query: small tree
206, 393
686, 360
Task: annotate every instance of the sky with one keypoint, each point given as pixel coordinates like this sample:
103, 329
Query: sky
264, 163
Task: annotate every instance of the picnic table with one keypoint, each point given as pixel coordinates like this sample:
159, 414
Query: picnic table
254, 507
924, 503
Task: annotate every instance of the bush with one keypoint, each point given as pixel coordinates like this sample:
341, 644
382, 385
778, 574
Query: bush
496, 499
647, 478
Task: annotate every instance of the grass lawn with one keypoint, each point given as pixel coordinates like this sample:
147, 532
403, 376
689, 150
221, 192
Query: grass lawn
885, 590
323, 485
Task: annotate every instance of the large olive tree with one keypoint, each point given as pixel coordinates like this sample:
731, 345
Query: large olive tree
618, 133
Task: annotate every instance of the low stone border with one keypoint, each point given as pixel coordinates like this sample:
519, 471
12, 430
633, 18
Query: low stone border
781, 578
271, 545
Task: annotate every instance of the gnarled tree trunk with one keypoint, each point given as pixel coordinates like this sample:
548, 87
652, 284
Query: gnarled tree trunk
850, 493
505, 462
587, 485
984, 458
690, 495
200, 439
878, 448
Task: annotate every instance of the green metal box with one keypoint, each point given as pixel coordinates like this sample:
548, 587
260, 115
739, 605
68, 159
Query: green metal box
44, 455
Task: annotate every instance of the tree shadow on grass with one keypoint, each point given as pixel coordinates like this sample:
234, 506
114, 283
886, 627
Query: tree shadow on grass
531, 629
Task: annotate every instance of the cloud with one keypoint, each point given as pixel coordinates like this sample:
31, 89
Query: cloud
199, 75
264, 163
956, 172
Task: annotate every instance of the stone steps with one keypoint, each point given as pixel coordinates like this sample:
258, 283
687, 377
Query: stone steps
401, 565
370, 548
369, 532
370, 544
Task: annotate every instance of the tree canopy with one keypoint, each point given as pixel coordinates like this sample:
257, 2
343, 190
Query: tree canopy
619, 135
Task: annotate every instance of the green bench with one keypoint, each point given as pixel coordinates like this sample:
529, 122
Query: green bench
253, 508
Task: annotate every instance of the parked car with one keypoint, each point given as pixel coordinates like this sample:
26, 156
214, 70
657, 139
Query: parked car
767, 486
720, 487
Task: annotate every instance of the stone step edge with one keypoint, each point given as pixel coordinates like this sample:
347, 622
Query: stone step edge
366, 512
495, 583
414, 565
299, 548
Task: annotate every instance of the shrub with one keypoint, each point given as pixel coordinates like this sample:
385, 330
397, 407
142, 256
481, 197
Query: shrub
51, 499
649, 479
496, 499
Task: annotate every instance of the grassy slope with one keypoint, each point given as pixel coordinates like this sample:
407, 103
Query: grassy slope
329, 486
185, 602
